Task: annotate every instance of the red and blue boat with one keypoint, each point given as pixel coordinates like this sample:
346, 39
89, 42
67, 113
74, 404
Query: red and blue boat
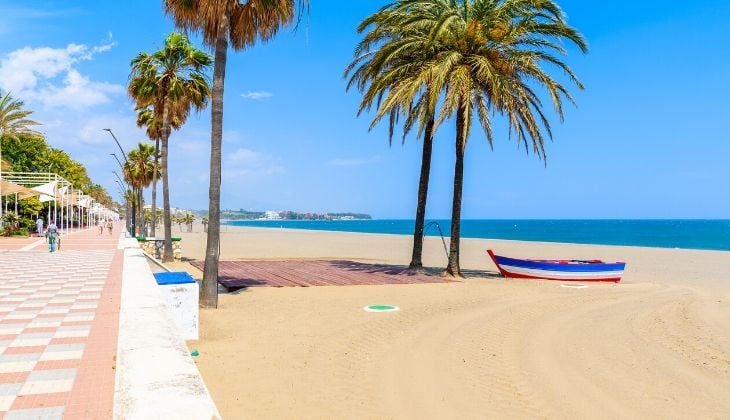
563, 270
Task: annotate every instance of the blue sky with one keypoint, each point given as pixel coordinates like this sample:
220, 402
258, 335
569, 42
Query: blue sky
649, 138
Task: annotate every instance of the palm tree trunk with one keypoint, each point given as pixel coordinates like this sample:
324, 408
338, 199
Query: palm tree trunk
209, 295
140, 210
416, 258
453, 267
134, 213
154, 189
167, 255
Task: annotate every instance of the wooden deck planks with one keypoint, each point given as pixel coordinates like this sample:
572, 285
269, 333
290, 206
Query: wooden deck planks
238, 274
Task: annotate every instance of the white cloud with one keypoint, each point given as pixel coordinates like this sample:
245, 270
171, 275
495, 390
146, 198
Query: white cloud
246, 163
49, 76
257, 96
353, 162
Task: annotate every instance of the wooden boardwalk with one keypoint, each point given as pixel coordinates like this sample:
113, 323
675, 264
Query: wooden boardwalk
238, 274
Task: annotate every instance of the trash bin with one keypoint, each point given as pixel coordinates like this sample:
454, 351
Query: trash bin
180, 291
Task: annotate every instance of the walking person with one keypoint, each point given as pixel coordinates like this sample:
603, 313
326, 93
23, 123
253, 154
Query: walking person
100, 223
110, 226
52, 235
39, 226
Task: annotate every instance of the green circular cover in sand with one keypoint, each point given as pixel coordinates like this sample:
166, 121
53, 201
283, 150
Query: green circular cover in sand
381, 308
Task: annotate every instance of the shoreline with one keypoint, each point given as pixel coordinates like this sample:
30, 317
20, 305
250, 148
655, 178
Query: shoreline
446, 237
516, 241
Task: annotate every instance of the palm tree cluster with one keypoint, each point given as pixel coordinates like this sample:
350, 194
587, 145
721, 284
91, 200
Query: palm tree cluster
166, 85
424, 62
420, 63
188, 219
139, 173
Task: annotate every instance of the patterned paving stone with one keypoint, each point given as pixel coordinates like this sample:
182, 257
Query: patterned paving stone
50, 304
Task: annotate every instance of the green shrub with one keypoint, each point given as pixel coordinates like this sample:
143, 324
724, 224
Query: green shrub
19, 232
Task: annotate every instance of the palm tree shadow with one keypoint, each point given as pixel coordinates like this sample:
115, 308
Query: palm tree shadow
403, 270
235, 284
481, 274
392, 270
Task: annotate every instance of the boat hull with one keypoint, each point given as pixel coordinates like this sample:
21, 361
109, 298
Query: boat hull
594, 271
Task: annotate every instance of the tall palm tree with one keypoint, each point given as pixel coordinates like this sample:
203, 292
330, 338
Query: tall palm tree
240, 24
139, 171
382, 66
485, 57
167, 79
146, 118
14, 122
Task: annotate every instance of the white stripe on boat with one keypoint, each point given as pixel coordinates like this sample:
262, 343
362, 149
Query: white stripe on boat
561, 274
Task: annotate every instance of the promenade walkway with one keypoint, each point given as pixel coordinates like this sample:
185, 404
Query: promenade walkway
59, 317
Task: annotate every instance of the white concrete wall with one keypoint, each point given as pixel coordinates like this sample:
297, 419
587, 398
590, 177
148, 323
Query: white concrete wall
156, 377
182, 300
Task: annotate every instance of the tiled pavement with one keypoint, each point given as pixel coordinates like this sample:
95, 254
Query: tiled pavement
59, 316
15, 243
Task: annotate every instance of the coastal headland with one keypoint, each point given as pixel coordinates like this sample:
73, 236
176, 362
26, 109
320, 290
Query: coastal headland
656, 345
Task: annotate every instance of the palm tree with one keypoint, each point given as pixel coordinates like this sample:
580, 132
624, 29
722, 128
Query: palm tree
484, 57
189, 219
139, 171
14, 119
146, 118
240, 24
381, 66
14, 122
172, 80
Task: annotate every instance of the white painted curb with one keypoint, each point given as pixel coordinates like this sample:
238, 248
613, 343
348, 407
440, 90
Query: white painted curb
156, 377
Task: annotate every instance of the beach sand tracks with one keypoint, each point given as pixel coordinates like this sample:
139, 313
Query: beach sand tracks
305, 273
663, 385
454, 355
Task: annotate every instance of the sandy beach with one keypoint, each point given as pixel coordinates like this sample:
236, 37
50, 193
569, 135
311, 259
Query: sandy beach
657, 345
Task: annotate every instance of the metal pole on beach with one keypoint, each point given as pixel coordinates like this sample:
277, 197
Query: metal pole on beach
124, 155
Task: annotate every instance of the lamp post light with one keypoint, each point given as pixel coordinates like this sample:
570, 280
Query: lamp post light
120, 179
126, 202
118, 161
134, 216
124, 155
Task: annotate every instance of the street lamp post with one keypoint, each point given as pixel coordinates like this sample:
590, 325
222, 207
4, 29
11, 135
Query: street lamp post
118, 161
126, 201
120, 179
124, 155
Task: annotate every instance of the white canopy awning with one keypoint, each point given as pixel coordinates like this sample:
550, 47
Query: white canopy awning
49, 189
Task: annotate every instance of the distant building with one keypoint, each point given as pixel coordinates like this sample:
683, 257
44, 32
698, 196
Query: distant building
272, 215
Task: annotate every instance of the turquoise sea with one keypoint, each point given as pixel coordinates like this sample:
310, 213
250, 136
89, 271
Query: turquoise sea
692, 234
